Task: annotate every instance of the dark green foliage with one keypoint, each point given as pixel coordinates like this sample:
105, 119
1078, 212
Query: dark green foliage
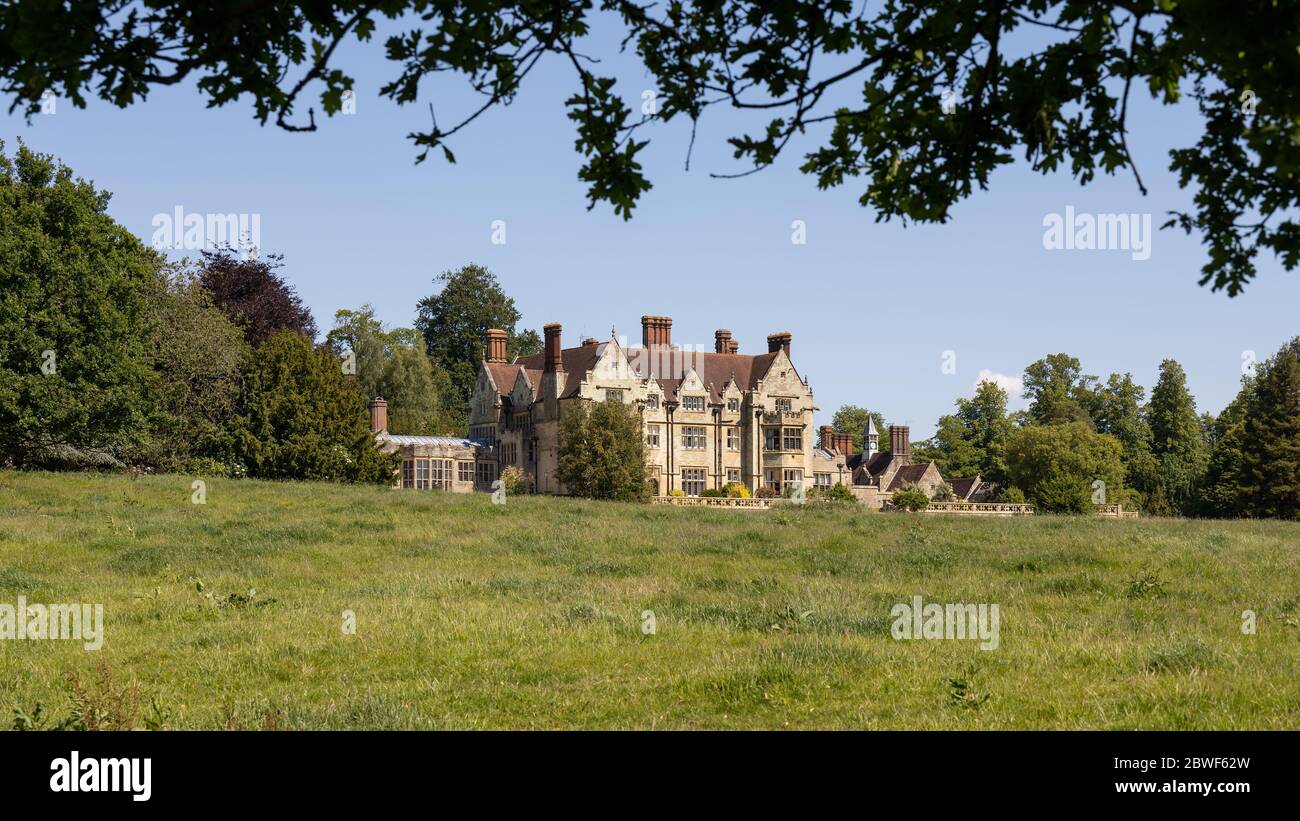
1056, 465
453, 323
602, 452
74, 283
852, 420
1176, 437
299, 419
973, 440
1255, 467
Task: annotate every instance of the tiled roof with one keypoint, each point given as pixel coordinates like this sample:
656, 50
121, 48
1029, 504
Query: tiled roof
961, 488
504, 374
715, 369
908, 473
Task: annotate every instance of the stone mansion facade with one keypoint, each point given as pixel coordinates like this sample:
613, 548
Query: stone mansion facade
710, 418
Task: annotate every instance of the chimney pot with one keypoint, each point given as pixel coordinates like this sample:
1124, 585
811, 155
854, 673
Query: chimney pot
722, 341
496, 345
900, 441
779, 341
553, 359
827, 434
378, 415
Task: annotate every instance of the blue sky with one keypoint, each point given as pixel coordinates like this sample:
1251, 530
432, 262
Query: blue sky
873, 308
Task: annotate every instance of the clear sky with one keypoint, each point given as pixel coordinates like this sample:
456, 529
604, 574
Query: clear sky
873, 307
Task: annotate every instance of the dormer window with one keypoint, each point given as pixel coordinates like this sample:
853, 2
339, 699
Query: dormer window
652, 402
693, 403
785, 405
733, 406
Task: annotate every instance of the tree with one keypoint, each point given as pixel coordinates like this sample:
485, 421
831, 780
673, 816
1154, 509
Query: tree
1269, 472
1117, 410
254, 296
299, 419
393, 364
1219, 492
1047, 81
454, 321
195, 352
1176, 440
75, 387
602, 452
1058, 390
973, 440
1056, 465
852, 420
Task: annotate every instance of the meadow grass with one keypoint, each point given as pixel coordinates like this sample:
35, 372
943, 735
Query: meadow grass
529, 615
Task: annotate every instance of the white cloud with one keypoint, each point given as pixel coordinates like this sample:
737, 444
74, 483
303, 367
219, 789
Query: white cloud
1013, 385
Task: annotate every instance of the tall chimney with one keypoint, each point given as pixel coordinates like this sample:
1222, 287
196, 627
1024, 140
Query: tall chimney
378, 415
553, 361
843, 443
496, 345
900, 442
656, 331
733, 346
722, 341
779, 341
827, 434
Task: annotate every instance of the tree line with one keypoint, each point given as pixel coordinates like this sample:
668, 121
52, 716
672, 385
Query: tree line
1157, 455
113, 356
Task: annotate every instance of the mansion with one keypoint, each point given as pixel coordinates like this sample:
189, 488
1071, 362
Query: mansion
710, 418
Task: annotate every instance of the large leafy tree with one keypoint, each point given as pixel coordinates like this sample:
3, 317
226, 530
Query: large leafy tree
393, 364
1058, 390
454, 320
75, 387
1177, 442
852, 420
602, 452
195, 350
1049, 82
974, 439
300, 419
254, 296
1056, 465
1116, 408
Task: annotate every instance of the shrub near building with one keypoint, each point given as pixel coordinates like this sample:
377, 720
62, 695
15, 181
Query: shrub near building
602, 452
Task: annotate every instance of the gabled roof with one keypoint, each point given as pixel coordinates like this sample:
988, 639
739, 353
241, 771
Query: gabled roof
504, 375
907, 474
714, 369
961, 488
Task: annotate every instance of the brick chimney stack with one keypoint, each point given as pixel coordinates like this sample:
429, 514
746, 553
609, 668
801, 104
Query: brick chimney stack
779, 342
843, 443
496, 345
900, 442
553, 360
378, 415
656, 331
722, 341
733, 346
827, 435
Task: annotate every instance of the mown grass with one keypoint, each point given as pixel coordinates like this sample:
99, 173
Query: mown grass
529, 615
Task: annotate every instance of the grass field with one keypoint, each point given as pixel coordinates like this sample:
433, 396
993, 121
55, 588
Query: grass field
529, 615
